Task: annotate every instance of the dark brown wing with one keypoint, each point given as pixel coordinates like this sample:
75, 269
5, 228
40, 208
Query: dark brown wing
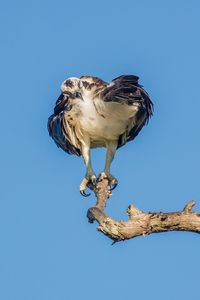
56, 127
125, 89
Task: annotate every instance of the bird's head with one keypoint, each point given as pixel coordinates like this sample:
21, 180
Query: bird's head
72, 86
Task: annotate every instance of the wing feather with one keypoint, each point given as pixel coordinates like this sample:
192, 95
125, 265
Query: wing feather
60, 131
125, 89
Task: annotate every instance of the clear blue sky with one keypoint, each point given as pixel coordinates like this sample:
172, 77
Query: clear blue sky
48, 250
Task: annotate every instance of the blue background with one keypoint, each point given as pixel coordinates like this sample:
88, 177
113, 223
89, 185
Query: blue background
48, 249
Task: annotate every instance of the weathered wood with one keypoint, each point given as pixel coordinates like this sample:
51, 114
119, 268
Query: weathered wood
139, 223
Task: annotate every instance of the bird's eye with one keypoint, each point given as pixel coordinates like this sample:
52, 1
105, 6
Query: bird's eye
78, 95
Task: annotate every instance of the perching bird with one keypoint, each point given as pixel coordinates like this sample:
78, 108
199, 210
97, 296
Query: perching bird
92, 113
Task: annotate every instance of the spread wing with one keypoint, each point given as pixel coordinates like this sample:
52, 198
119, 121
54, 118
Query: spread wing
126, 90
60, 131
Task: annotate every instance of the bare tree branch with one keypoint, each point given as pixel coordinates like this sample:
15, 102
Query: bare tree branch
139, 222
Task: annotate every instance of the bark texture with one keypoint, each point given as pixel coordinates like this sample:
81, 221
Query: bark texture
139, 223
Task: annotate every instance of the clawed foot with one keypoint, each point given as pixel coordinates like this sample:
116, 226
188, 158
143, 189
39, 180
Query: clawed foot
111, 179
83, 186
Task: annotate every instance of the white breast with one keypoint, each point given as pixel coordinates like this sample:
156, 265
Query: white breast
105, 120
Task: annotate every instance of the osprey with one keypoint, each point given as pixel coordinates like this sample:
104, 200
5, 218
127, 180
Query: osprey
92, 113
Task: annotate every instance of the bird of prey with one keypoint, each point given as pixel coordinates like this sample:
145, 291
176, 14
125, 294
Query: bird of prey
92, 113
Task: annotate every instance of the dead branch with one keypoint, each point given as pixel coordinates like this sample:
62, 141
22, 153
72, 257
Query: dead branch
139, 222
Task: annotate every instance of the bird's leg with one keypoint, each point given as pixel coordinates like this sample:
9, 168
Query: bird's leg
90, 174
111, 149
